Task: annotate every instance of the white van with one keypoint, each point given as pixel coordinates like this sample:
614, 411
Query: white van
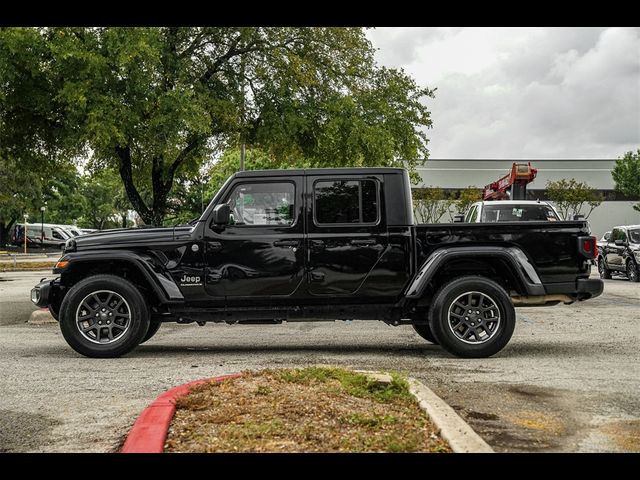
47, 235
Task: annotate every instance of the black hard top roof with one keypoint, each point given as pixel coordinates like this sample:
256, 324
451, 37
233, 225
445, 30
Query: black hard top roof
319, 171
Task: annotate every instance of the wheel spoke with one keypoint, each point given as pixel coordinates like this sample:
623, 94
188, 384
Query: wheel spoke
110, 323
474, 317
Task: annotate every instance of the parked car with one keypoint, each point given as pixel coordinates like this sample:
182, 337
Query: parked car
492, 211
621, 253
603, 241
317, 244
39, 235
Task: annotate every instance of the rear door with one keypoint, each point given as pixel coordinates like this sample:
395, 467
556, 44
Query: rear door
347, 233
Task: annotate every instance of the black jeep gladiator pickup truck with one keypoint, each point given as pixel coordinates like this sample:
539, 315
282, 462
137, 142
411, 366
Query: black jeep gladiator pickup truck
317, 244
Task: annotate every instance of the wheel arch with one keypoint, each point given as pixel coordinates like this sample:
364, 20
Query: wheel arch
508, 266
142, 272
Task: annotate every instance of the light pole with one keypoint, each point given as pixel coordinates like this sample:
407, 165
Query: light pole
26, 215
42, 209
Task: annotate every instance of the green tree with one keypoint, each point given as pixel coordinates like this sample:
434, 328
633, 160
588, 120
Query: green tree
34, 135
465, 198
62, 195
571, 196
104, 200
429, 204
156, 103
19, 189
626, 175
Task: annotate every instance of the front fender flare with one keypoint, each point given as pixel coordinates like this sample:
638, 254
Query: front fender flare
163, 286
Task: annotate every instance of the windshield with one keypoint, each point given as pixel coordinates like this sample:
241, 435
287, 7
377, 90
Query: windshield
634, 235
518, 213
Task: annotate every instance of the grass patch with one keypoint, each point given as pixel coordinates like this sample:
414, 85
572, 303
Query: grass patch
21, 266
315, 409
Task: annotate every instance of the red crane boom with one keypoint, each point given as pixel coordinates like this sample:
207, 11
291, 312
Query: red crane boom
512, 186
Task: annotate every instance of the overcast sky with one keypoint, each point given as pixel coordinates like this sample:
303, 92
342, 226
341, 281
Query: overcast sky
523, 92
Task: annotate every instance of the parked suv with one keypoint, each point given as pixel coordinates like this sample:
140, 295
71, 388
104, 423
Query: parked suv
621, 253
511, 211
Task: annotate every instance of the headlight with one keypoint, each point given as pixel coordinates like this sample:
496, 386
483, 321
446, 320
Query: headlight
35, 295
637, 255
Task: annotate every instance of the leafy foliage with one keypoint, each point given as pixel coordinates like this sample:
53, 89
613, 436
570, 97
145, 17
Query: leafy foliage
106, 205
157, 103
465, 198
430, 204
571, 196
626, 175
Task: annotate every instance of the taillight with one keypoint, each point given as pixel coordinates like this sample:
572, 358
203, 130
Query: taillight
587, 246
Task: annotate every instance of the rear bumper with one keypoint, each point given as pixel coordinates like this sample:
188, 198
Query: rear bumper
582, 289
45, 292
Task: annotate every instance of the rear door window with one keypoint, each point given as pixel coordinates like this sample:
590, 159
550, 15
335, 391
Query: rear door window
345, 202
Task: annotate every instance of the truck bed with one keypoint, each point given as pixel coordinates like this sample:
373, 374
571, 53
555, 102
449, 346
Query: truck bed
551, 247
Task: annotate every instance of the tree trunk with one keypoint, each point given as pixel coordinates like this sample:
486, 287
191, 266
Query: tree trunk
5, 231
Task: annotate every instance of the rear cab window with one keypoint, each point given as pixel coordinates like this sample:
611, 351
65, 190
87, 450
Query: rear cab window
345, 202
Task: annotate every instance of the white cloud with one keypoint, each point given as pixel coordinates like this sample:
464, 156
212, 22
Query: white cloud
524, 92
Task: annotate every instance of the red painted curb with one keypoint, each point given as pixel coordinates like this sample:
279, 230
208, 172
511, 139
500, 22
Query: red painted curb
149, 432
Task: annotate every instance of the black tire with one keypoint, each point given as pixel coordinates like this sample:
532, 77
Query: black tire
500, 317
425, 332
153, 329
604, 272
125, 339
632, 271
54, 313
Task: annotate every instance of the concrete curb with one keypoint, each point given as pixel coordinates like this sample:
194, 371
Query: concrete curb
460, 436
41, 317
150, 430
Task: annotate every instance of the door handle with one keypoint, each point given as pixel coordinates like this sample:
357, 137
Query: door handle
286, 243
317, 276
214, 246
368, 241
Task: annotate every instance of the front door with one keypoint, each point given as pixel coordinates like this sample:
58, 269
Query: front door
347, 234
261, 252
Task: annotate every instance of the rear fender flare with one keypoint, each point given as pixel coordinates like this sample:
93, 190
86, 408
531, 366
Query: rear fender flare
513, 256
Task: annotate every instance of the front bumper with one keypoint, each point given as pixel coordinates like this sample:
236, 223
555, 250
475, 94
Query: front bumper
45, 292
582, 289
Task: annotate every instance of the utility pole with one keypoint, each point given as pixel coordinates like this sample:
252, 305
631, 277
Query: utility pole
42, 209
26, 215
242, 145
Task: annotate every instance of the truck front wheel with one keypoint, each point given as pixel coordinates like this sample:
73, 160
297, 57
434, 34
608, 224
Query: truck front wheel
472, 317
104, 316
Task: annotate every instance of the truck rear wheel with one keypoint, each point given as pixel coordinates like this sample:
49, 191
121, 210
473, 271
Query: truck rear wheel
472, 317
425, 332
104, 316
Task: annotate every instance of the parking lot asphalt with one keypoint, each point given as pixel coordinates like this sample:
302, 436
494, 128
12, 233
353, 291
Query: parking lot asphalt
567, 382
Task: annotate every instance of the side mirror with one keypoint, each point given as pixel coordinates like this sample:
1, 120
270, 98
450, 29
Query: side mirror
221, 213
578, 217
458, 218
619, 243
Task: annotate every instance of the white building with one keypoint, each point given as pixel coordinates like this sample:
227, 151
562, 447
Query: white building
452, 175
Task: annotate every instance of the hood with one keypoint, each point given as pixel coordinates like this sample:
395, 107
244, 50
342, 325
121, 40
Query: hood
130, 237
